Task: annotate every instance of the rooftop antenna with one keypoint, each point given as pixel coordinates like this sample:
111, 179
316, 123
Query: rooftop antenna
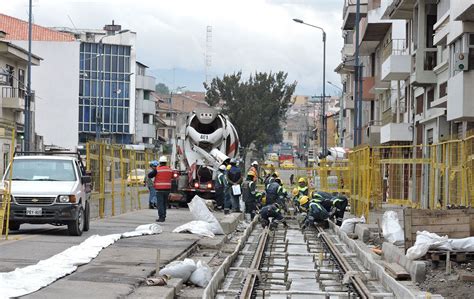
208, 59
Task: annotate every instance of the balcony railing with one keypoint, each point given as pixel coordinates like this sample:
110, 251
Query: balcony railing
394, 47
12, 92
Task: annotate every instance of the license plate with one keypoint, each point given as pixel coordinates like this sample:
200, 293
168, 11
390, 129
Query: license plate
34, 211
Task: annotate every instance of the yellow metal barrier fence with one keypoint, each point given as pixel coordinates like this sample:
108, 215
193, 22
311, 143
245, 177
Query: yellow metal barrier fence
118, 176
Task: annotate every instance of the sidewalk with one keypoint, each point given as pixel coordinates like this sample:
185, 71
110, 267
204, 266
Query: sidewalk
118, 269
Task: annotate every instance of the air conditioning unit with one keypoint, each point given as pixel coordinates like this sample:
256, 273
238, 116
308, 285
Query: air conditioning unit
461, 62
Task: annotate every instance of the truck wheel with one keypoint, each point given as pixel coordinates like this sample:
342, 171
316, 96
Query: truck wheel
13, 226
76, 227
87, 218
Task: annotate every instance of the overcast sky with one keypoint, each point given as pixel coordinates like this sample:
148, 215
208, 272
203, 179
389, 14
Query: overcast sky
247, 35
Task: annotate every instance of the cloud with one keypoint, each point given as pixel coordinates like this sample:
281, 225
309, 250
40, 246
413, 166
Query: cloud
247, 35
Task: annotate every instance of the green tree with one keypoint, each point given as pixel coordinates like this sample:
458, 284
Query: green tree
162, 88
256, 106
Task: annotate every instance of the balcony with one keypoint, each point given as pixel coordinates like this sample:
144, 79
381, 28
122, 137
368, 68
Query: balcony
460, 91
349, 13
149, 107
368, 84
145, 82
397, 62
424, 61
372, 32
393, 132
348, 102
372, 133
347, 50
379, 86
13, 98
462, 10
400, 9
149, 130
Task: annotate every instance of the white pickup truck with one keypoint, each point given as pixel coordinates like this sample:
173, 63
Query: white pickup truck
50, 187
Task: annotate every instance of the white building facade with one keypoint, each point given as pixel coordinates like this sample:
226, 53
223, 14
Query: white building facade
145, 109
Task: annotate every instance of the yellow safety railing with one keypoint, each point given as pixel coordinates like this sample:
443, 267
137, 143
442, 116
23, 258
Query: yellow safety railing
118, 176
434, 176
5, 197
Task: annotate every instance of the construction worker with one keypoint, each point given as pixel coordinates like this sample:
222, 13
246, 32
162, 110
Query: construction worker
274, 191
254, 168
250, 195
303, 204
150, 185
271, 211
316, 214
221, 187
301, 190
162, 183
234, 178
271, 178
339, 203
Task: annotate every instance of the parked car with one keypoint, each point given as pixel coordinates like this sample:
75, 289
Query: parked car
136, 177
49, 188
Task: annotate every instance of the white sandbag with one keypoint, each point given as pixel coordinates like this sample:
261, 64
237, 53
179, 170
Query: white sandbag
198, 208
179, 269
202, 275
391, 229
348, 225
425, 241
201, 228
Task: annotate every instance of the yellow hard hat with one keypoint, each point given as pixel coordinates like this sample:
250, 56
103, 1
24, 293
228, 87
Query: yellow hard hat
229, 167
304, 200
251, 172
301, 180
295, 192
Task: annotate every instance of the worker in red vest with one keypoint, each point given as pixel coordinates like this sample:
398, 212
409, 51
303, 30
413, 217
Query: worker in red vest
163, 176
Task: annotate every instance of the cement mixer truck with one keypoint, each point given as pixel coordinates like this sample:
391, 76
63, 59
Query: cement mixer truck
205, 140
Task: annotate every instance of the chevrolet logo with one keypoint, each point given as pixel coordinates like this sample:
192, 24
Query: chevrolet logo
35, 200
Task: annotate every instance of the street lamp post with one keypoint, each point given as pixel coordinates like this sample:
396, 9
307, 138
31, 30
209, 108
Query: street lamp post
323, 102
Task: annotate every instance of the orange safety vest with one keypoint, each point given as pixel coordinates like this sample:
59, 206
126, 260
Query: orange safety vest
163, 178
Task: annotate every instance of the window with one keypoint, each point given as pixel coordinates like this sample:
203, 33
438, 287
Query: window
430, 97
11, 74
443, 89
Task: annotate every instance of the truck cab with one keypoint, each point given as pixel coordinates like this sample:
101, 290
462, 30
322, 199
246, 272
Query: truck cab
49, 188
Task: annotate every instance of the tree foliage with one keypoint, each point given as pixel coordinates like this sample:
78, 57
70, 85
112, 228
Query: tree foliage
162, 88
256, 106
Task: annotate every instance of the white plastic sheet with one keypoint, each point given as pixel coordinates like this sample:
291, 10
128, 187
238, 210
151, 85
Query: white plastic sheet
348, 225
201, 213
392, 231
425, 241
201, 228
23, 281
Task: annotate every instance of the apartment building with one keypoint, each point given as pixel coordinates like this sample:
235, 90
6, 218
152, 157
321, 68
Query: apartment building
55, 82
145, 109
107, 68
412, 53
13, 74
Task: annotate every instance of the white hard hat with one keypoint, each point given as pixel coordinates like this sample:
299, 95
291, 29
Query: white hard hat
255, 163
222, 167
163, 159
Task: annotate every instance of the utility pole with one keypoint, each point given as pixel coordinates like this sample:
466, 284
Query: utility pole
27, 125
356, 78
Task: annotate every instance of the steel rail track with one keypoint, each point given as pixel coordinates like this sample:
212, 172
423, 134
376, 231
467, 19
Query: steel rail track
251, 276
357, 282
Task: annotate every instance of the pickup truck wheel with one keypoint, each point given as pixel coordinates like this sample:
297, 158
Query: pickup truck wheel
87, 218
13, 226
76, 227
